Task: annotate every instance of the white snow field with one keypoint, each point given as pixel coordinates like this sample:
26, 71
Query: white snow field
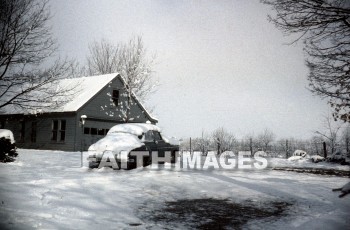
49, 190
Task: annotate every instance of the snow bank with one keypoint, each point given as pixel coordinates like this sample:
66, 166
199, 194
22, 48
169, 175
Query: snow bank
300, 162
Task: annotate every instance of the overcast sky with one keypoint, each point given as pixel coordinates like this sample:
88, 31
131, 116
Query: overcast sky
219, 63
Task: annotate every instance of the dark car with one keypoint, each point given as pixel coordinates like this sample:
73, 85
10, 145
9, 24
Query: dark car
132, 139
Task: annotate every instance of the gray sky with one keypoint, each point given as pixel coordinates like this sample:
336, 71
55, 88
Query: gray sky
219, 63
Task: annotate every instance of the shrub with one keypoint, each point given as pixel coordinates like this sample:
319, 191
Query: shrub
7, 150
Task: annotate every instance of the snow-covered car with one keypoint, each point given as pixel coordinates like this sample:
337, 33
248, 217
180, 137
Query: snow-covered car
316, 158
298, 155
132, 138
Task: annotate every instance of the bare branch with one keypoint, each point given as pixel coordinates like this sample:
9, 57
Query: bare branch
25, 45
325, 29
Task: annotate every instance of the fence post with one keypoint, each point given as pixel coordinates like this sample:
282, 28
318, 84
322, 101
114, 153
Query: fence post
190, 145
251, 146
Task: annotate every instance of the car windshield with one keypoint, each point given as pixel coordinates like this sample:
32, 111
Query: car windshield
157, 136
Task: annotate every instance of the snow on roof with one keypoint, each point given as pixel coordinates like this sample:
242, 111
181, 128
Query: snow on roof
135, 128
87, 87
84, 89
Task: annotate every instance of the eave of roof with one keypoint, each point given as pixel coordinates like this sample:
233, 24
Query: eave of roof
90, 87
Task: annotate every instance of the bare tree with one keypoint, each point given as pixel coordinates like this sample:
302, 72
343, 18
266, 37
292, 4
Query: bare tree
331, 135
316, 145
225, 140
324, 26
248, 143
131, 61
203, 143
25, 45
346, 138
103, 58
136, 69
265, 138
283, 147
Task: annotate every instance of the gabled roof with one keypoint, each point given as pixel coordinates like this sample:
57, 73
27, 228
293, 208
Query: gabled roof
86, 89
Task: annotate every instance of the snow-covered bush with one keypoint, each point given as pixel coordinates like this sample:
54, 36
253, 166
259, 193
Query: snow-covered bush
299, 155
317, 158
7, 146
339, 157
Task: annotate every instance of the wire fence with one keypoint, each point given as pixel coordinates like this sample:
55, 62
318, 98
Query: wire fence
281, 148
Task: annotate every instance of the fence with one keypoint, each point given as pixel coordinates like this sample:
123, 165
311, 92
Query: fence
280, 148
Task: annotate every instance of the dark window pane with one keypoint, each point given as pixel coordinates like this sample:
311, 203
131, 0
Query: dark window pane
55, 125
115, 97
157, 136
93, 131
63, 124
86, 130
62, 135
54, 130
54, 136
101, 132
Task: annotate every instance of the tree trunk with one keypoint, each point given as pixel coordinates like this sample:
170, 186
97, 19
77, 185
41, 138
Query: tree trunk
324, 150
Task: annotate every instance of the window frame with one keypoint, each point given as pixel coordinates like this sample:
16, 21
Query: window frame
58, 130
62, 130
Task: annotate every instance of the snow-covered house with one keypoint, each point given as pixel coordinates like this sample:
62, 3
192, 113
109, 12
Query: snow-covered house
100, 98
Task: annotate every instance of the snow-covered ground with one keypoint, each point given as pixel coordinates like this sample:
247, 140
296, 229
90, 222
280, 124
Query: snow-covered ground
305, 163
49, 190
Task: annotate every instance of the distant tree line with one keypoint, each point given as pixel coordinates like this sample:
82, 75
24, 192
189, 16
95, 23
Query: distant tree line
336, 138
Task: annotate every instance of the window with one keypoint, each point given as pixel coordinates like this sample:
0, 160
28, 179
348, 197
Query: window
33, 134
101, 132
93, 131
157, 136
54, 130
63, 130
86, 130
115, 97
58, 130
